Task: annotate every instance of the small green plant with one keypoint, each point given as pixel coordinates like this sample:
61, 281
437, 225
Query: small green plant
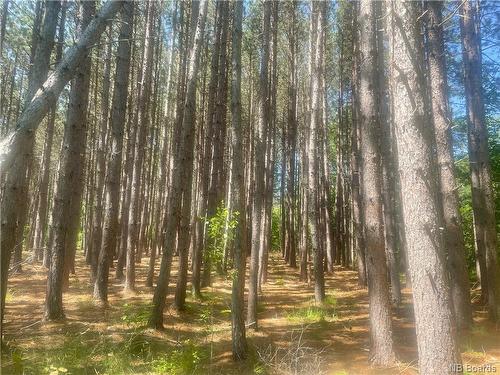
186, 360
313, 312
136, 314
221, 229
330, 301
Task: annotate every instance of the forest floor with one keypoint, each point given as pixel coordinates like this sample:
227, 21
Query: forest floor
294, 336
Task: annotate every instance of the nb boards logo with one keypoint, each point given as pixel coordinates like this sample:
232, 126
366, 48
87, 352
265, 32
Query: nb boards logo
468, 368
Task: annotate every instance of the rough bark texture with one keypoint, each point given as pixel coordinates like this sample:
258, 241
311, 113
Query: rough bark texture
356, 172
67, 197
453, 232
259, 189
42, 44
13, 156
140, 144
117, 121
483, 204
437, 344
40, 235
173, 208
186, 153
382, 348
94, 247
318, 12
240, 347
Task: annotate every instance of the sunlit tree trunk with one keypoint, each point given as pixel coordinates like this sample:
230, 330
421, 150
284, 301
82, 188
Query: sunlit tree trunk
239, 343
382, 346
114, 164
180, 179
70, 176
441, 116
437, 344
483, 204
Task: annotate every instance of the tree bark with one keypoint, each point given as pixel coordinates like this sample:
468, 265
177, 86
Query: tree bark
483, 204
180, 179
382, 346
138, 158
437, 343
40, 235
68, 193
239, 343
114, 164
186, 153
441, 116
258, 206
13, 157
317, 15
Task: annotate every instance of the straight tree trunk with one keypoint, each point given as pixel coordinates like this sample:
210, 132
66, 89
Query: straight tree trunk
436, 339
69, 189
483, 204
180, 178
95, 246
40, 236
114, 164
239, 342
259, 193
453, 233
387, 160
382, 345
317, 15
14, 159
37, 75
186, 152
138, 159
356, 165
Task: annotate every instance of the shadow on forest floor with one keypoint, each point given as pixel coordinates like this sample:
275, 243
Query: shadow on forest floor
294, 336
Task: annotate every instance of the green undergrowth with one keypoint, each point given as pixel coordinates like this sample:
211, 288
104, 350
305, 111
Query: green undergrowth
125, 345
314, 312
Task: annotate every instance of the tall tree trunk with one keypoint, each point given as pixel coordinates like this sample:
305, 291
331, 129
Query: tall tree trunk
14, 159
258, 206
37, 75
68, 194
382, 346
95, 246
167, 136
239, 343
437, 343
114, 165
186, 152
40, 236
483, 204
138, 159
387, 160
180, 179
356, 172
317, 15
453, 233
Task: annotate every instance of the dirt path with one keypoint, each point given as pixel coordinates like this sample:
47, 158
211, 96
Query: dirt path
294, 335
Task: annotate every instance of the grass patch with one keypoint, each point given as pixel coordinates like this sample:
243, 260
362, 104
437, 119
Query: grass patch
136, 314
188, 359
313, 312
94, 353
